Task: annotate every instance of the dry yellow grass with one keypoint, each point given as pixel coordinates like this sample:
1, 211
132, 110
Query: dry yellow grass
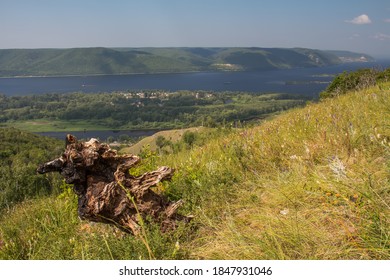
313, 184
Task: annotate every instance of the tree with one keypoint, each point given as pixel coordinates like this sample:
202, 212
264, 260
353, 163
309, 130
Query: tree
189, 138
160, 142
124, 138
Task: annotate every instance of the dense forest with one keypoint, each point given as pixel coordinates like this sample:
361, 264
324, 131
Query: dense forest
87, 61
146, 109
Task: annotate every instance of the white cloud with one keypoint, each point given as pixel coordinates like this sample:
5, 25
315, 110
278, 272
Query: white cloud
387, 20
382, 37
362, 19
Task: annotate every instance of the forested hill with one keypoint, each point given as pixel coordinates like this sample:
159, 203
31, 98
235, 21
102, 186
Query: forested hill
90, 61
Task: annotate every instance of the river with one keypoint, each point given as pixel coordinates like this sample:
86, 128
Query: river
306, 81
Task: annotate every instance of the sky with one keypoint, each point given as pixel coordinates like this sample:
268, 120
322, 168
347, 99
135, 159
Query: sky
356, 25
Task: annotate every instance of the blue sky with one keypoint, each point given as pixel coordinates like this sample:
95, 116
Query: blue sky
357, 25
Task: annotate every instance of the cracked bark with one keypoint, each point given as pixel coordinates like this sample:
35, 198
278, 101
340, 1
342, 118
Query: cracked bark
106, 191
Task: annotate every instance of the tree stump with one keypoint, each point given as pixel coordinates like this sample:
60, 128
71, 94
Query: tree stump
106, 191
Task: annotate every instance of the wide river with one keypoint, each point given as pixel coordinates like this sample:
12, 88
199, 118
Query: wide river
307, 81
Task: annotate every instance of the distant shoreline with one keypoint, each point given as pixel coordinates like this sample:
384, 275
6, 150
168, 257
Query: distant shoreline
113, 74
161, 73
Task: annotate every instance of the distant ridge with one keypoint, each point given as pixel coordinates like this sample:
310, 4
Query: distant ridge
94, 61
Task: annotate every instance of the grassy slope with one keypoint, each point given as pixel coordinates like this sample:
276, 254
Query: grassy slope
312, 183
173, 135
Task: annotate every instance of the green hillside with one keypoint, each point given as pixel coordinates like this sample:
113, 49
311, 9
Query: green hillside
311, 183
20, 154
84, 61
93, 61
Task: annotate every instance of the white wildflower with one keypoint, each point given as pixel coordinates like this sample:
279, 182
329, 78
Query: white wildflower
284, 212
338, 168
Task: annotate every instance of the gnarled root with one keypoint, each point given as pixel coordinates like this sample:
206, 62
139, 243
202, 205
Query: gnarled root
106, 191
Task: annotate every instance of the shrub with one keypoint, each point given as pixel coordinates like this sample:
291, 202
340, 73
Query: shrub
357, 80
345, 82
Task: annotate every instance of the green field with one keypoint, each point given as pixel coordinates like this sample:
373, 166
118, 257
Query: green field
47, 125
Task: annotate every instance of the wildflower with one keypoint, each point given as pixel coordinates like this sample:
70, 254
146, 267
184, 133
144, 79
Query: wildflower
86, 228
354, 198
284, 211
177, 245
307, 150
338, 168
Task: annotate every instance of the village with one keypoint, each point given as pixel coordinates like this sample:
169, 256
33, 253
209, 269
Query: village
160, 94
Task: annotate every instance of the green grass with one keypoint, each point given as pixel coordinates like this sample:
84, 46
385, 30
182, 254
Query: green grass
312, 183
48, 228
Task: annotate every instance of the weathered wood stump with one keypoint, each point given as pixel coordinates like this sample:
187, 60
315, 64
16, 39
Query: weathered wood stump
106, 191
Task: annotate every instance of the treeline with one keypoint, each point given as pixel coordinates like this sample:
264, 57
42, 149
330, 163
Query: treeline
146, 109
21, 153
